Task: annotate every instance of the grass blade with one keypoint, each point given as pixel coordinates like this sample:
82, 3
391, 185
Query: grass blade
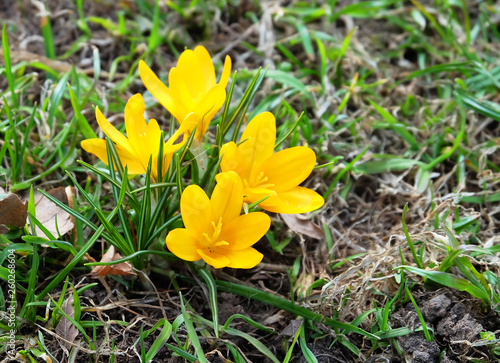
212, 290
287, 305
8, 66
192, 333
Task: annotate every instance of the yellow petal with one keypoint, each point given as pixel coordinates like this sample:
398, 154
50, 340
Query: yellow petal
190, 70
288, 168
189, 122
135, 124
297, 200
116, 136
247, 258
214, 259
134, 165
158, 89
207, 66
183, 245
151, 145
170, 146
150, 141
232, 160
227, 197
185, 102
196, 211
261, 135
137, 129
226, 72
207, 108
98, 148
245, 230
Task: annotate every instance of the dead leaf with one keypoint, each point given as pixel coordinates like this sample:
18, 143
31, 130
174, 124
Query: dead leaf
65, 329
47, 212
60, 194
13, 212
70, 192
291, 329
123, 268
303, 283
302, 225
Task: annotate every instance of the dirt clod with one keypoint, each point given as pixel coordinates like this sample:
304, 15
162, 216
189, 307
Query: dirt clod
453, 319
436, 308
418, 350
459, 325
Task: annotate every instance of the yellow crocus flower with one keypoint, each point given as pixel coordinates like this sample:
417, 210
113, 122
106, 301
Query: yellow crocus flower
192, 88
142, 141
268, 174
214, 229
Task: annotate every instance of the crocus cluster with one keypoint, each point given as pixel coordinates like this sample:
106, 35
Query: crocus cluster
215, 230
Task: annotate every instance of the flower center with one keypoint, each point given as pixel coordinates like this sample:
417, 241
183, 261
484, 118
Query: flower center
213, 241
260, 181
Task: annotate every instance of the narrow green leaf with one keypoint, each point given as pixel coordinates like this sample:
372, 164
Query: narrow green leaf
160, 340
256, 343
400, 128
420, 316
182, 353
287, 305
192, 333
449, 280
289, 80
69, 267
8, 65
48, 38
154, 37
343, 171
288, 132
166, 255
474, 104
212, 290
248, 320
408, 239
385, 165
82, 122
55, 99
308, 354
304, 37
289, 352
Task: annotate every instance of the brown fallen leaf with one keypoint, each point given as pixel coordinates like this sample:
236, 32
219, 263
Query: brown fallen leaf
302, 225
60, 194
47, 212
65, 329
291, 329
13, 212
122, 268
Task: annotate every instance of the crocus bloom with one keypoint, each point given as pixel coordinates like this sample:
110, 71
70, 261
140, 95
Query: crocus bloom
142, 141
192, 87
214, 230
268, 174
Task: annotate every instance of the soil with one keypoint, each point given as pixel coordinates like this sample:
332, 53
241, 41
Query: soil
456, 321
